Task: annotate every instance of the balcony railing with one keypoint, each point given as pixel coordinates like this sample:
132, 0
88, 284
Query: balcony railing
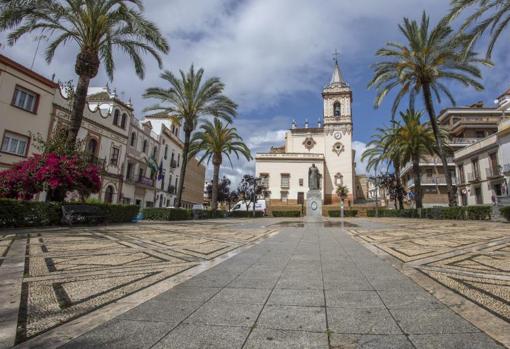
474, 177
435, 180
494, 172
96, 161
145, 181
457, 140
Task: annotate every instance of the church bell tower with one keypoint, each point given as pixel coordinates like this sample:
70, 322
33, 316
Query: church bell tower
337, 96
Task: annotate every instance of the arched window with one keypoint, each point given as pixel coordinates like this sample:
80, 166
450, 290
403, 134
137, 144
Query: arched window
337, 109
116, 115
108, 194
92, 146
144, 148
133, 139
124, 120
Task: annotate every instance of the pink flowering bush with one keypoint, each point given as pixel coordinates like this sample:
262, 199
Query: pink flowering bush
59, 174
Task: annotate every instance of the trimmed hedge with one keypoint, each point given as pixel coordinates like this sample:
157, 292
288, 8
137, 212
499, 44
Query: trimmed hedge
16, 213
347, 213
246, 214
505, 212
166, 214
286, 213
455, 213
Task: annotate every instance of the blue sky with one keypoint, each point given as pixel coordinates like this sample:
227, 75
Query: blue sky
274, 57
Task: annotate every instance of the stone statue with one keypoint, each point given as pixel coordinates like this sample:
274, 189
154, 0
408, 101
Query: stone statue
313, 178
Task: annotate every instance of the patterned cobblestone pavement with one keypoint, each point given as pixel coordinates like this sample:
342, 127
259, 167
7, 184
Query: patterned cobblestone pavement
71, 272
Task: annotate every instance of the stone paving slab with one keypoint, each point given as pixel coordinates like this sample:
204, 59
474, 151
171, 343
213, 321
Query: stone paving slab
289, 294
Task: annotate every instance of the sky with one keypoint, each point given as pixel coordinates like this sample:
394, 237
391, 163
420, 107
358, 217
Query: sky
274, 56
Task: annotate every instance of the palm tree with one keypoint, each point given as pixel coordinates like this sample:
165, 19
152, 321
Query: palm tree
190, 100
380, 150
491, 16
413, 140
431, 58
215, 140
96, 27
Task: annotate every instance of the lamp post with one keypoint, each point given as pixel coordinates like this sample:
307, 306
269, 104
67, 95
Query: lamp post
256, 184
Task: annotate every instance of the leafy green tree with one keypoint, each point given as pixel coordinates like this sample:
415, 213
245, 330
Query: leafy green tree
215, 140
431, 58
96, 27
492, 16
188, 100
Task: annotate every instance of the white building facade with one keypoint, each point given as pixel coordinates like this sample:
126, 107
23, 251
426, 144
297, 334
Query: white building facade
328, 146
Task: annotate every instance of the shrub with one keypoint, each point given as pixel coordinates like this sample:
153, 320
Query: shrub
116, 213
166, 214
14, 213
481, 213
347, 213
505, 212
246, 214
371, 213
286, 213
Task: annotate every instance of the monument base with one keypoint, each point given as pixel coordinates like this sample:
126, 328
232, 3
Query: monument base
313, 206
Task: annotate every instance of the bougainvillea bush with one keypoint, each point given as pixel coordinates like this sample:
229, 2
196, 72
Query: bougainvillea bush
56, 173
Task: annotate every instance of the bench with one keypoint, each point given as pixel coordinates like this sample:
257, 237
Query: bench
82, 214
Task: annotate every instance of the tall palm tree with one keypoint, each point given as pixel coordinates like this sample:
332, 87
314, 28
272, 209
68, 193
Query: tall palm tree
96, 27
491, 16
215, 140
413, 140
381, 151
188, 100
431, 57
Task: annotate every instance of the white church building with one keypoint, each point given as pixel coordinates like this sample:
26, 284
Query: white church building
328, 145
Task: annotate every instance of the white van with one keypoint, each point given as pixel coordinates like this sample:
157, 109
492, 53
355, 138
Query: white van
260, 205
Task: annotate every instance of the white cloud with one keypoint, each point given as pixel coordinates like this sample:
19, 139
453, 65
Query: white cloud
361, 166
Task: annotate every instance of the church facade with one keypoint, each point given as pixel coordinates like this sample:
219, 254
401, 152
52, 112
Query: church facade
328, 146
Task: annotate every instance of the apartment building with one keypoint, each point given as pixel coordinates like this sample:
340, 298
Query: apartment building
26, 107
483, 168
169, 162
465, 126
193, 192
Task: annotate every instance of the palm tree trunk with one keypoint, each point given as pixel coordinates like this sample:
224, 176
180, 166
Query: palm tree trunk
79, 100
399, 194
427, 95
417, 183
185, 151
216, 176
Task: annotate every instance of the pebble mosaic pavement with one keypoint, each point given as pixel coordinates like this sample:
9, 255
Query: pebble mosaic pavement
470, 259
68, 274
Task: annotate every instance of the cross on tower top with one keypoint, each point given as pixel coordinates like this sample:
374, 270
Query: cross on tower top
335, 56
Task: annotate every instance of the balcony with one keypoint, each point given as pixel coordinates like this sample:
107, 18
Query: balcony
130, 178
149, 182
463, 141
474, 177
97, 161
493, 173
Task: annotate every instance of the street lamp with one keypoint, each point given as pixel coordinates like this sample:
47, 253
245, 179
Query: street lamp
256, 183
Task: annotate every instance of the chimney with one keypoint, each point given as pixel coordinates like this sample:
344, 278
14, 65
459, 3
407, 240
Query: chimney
306, 123
319, 123
293, 125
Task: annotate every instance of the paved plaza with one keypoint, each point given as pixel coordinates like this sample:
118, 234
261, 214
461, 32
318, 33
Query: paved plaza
265, 283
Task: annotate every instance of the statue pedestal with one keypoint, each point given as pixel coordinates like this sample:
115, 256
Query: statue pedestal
314, 205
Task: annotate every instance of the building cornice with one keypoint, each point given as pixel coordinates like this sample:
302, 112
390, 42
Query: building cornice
9, 62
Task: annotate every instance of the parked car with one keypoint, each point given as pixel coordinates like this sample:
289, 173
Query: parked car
260, 205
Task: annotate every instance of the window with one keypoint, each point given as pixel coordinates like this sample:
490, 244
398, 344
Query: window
166, 151
178, 160
92, 146
144, 147
133, 139
285, 180
300, 182
108, 194
124, 120
285, 196
476, 168
462, 176
116, 115
25, 99
337, 109
114, 158
154, 151
480, 134
15, 144
429, 172
129, 171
